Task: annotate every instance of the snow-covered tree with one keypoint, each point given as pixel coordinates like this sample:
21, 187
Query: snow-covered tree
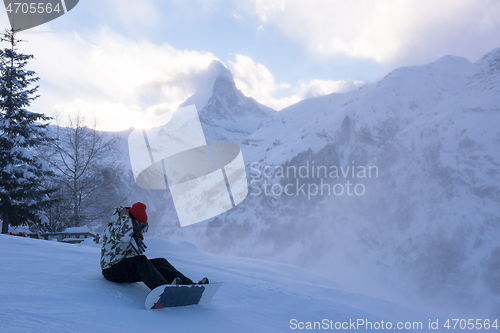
22, 197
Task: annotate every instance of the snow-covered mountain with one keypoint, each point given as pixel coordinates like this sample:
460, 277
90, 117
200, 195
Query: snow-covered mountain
388, 106
225, 113
411, 165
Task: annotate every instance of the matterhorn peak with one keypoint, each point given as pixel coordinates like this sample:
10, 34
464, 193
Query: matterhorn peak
215, 72
225, 112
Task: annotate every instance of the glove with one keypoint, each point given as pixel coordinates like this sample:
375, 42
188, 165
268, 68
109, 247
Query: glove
138, 245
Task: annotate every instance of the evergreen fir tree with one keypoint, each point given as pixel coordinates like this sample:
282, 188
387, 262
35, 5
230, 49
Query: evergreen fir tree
22, 198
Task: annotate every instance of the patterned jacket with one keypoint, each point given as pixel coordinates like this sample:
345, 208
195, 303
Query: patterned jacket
116, 240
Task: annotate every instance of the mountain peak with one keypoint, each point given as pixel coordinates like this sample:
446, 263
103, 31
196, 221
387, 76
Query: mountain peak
454, 64
490, 62
216, 71
225, 112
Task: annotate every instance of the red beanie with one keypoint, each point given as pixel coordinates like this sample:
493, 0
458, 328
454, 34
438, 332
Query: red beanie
139, 211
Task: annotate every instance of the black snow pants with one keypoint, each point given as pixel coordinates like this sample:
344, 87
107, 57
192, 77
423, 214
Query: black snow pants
153, 272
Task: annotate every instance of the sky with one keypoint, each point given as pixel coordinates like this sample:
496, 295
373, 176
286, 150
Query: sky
124, 61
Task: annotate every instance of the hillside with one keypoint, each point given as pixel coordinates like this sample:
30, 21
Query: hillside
56, 287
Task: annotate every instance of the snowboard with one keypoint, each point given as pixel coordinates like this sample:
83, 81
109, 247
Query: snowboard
179, 295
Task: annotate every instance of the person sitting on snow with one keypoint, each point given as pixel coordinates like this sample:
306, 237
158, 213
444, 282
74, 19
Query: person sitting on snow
122, 258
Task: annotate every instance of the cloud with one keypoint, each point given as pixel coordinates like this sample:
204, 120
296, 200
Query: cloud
125, 81
117, 78
253, 79
315, 87
256, 81
386, 31
131, 13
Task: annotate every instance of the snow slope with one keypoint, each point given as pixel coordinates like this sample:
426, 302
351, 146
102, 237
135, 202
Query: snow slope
57, 287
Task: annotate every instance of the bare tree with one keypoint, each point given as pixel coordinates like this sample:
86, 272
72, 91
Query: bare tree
85, 162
